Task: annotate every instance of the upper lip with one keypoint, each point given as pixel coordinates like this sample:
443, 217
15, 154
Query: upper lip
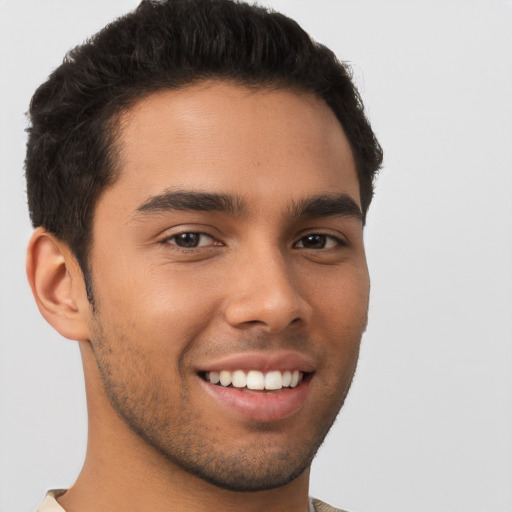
262, 361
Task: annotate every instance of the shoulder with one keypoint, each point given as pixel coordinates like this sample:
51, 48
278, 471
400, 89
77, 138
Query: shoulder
320, 506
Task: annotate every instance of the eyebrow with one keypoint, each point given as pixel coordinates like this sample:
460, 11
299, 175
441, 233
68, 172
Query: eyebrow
327, 206
192, 201
323, 205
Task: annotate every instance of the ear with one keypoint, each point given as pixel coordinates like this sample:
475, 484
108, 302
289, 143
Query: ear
58, 285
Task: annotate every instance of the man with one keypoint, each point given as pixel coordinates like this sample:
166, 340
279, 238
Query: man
199, 174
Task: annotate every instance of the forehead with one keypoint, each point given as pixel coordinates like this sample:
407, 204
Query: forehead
220, 137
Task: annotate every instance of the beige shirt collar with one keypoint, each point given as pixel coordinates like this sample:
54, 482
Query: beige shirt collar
50, 503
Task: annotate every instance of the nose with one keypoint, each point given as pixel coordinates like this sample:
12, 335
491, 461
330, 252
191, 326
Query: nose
265, 292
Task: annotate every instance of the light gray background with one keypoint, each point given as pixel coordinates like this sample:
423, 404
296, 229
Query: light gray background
428, 423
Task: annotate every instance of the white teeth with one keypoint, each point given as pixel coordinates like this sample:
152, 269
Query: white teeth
255, 379
239, 379
273, 380
225, 378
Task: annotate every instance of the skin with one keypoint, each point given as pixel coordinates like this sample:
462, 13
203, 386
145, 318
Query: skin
255, 284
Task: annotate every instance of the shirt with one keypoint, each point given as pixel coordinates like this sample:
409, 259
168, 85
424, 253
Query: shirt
50, 503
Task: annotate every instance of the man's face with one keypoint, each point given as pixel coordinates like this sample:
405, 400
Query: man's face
230, 246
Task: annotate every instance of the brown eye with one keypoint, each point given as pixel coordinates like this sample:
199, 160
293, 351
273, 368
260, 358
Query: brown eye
190, 240
187, 239
318, 241
314, 241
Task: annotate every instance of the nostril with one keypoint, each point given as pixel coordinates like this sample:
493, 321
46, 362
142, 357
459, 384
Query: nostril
251, 323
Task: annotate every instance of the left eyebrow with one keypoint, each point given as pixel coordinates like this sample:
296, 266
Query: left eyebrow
326, 206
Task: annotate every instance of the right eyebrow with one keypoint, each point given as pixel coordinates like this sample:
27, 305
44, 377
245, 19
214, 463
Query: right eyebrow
191, 201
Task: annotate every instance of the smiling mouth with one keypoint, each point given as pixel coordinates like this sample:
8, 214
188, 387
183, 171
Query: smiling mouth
255, 380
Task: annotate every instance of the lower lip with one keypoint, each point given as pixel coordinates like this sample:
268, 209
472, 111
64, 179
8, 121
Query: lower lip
260, 406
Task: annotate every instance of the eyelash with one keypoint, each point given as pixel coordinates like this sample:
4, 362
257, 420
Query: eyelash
338, 242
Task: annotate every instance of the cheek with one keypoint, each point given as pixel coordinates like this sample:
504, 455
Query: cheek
159, 309
340, 298
341, 310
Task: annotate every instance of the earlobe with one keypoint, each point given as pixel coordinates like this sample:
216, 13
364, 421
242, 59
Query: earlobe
58, 286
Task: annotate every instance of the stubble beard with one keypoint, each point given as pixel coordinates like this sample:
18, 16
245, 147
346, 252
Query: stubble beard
182, 438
